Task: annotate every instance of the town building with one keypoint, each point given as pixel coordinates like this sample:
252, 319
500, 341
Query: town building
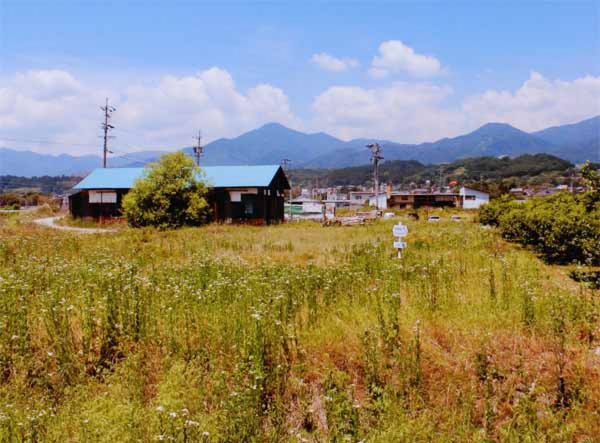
472, 198
466, 198
249, 194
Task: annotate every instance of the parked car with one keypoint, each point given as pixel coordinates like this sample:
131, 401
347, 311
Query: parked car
433, 218
456, 218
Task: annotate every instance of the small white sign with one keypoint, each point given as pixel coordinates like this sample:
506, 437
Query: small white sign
399, 244
400, 230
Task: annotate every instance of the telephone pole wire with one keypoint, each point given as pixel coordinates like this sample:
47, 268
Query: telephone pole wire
375, 158
198, 149
108, 110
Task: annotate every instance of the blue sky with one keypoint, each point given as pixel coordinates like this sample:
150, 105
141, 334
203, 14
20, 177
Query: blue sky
447, 67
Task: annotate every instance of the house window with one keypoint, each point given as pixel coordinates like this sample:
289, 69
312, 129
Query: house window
102, 197
469, 197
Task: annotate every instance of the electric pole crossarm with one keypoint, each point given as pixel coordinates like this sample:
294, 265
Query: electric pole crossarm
198, 149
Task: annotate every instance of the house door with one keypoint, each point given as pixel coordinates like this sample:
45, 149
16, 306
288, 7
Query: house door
249, 206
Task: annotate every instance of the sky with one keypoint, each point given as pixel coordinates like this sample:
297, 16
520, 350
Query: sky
398, 70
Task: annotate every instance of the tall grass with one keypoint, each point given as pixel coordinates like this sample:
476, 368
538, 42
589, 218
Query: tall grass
292, 333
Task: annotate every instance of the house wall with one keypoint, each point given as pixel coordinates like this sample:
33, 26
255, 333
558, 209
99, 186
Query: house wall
263, 207
382, 201
80, 206
472, 199
423, 200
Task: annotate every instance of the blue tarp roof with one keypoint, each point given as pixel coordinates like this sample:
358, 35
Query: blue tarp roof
214, 176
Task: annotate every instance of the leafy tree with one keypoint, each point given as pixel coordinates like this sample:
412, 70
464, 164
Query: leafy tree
169, 195
591, 174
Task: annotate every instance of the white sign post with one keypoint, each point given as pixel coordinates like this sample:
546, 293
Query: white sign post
400, 231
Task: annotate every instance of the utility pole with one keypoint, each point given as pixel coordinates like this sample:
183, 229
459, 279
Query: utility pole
108, 110
198, 149
284, 164
572, 181
375, 157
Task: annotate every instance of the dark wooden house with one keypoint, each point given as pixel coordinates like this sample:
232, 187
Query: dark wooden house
247, 194
423, 200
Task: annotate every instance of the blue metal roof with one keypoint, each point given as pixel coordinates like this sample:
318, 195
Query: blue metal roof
214, 176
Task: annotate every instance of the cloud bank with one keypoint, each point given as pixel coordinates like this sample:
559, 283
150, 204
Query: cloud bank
55, 105
538, 103
420, 111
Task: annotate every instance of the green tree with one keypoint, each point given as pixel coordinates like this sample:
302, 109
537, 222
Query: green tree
169, 195
591, 175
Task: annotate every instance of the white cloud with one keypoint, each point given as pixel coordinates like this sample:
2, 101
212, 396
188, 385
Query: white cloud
537, 104
407, 112
410, 112
333, 64
49, 104
53, 105
179, 106
47, 84
396, 57
166, 113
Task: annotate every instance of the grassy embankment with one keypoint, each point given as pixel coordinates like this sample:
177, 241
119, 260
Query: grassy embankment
292, 333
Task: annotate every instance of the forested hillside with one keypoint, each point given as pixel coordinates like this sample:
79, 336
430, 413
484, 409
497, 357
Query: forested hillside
464, 171
44, 184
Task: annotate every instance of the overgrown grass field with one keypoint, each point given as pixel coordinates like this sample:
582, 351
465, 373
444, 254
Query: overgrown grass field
292, 333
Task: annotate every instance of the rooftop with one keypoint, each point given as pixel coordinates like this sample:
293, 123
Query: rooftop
214, 176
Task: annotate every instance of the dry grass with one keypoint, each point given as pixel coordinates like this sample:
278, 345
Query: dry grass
292, 333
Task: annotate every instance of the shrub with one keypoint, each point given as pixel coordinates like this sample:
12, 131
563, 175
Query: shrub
563, 227
168, 196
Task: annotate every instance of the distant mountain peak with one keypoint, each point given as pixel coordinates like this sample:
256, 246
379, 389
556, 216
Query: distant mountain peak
497, 127
273, 126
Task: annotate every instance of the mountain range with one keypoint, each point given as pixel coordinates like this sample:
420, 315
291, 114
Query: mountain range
273, 142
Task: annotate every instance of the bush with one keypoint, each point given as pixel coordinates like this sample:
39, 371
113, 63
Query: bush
489, 214
168, 196
564, 227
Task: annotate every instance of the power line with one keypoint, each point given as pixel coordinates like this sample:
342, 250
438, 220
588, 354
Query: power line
123, 154
46, 142
58, 142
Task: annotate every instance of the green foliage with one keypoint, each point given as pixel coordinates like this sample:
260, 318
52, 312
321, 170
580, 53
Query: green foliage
591, 175
564, 227
495, 174
168, 196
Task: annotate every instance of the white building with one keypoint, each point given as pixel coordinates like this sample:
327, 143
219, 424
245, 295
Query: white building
308, 205
473, 199
382, 201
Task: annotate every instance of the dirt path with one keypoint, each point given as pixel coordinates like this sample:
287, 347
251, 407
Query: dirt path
50, 223
19, 211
